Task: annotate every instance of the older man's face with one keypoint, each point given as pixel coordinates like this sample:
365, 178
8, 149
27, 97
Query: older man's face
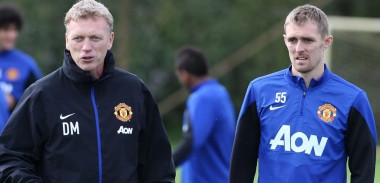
88, 40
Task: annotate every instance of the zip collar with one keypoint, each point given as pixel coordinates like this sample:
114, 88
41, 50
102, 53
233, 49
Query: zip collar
76, 74
299, 81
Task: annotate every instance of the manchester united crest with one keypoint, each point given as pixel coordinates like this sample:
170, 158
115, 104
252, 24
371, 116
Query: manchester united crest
13, 74
327, 112
123, 112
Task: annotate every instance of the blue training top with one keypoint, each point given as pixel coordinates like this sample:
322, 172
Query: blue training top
212, 119
17, 71
4, 113
304, 134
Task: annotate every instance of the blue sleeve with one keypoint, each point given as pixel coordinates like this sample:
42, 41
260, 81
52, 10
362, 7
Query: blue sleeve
35, 70
33, 75
361, 141
363, 106
246, 145
202, 114
3, 110
33, 67
248, 100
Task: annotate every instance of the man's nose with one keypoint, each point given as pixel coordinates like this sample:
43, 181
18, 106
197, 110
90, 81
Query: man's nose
300, 47
86, 45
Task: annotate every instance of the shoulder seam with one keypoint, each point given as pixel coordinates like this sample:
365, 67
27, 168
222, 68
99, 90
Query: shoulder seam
275, 74
346, 83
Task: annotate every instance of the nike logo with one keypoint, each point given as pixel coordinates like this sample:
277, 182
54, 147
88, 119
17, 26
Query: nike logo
275, 108
64, 117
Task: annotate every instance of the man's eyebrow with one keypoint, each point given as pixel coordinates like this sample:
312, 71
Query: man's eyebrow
76, 35
291, 37
305, 37
301, 37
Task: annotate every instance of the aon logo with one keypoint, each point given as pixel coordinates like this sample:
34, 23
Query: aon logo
123, 130
283, 138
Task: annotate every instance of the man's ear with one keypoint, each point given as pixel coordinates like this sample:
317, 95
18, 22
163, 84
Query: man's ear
183, 73
110, 43
66, 39
328, 41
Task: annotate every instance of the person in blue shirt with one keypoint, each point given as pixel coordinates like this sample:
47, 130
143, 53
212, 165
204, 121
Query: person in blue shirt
303, 124
208, 122
4, 114
17, 69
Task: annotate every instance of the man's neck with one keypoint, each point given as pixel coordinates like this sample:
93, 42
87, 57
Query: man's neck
5, 50
97, 72
307, 77
197, 80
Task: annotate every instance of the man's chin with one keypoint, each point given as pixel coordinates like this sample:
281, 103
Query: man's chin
86, 68
302, 69
6, 47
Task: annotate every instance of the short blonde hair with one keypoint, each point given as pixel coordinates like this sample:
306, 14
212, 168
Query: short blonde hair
86, 9
305, 13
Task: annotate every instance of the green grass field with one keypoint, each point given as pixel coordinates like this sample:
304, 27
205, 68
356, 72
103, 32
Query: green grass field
377, 175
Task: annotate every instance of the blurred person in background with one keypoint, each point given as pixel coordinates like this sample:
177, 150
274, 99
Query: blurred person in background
88, 121
4, 112
303, 123
17, 69
208, 122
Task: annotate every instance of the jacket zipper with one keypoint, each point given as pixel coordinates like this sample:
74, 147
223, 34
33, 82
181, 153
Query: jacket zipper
97, 134
303, 102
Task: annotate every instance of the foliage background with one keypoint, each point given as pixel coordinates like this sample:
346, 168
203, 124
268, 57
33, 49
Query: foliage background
148, 33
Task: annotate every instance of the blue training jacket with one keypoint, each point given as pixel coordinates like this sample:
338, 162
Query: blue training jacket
4, 114
304, 135
212, 118
17, 71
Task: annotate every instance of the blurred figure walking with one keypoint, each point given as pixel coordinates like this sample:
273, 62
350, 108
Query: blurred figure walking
208, 122
17, 69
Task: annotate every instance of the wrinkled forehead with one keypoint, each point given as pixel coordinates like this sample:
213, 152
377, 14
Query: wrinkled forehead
96, 20
301, 19
307, 25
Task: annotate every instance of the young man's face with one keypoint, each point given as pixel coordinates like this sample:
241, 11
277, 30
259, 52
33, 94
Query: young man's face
8, 36
184, 78
306, 46
88, 40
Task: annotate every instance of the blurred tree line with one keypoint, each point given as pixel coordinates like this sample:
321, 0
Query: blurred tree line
148, 33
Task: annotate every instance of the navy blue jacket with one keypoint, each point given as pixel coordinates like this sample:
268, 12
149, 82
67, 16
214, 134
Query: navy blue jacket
70, 127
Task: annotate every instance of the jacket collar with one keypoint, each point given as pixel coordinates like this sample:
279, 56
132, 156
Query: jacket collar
296, 80
76, 74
